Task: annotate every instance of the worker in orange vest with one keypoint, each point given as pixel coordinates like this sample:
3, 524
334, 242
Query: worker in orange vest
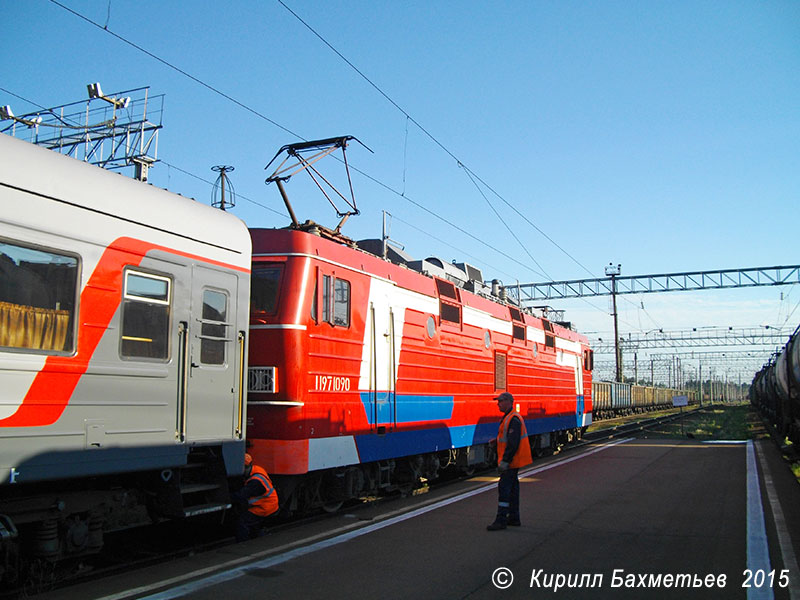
513, 453
256, 500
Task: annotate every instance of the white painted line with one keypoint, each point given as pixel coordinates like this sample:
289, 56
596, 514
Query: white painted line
757, 547
788, 556
235, 568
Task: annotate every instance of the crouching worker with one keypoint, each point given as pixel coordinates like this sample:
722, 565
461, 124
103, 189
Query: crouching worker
254, 502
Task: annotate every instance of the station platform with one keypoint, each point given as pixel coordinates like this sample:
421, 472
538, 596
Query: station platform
634, 518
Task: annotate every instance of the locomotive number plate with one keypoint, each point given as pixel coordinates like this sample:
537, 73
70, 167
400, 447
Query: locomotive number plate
332, 383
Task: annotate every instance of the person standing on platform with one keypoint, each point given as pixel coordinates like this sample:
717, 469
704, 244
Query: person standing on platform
255, 501
513, 453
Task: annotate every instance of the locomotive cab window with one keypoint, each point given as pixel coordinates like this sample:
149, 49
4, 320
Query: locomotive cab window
335, 301
213, 331
265, 285
37, 298
145, 316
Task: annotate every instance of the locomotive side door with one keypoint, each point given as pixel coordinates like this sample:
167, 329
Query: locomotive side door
580, 404
211, 369
382, 375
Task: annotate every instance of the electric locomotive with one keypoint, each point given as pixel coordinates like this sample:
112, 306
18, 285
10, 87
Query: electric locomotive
369, 375
370, 371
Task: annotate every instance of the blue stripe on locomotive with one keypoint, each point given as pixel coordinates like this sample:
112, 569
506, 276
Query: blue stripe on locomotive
392, 444
410, 408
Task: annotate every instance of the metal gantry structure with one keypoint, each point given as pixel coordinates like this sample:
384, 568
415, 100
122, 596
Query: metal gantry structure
697, 337
111, 131
528, 294
672, 369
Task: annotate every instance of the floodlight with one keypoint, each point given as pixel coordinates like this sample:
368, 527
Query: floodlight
5, 112
94, 90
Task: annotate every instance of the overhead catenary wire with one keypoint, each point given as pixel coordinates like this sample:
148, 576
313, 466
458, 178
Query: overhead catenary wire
273, 122
293, 133
473, 176
428, 133
543, 273
286, 129
211, 183
179, 70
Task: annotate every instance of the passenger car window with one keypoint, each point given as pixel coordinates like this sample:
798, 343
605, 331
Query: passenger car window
37, 298
212, 334
145, 316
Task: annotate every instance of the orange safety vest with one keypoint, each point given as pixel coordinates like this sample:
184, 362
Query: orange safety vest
266, 504
522, 458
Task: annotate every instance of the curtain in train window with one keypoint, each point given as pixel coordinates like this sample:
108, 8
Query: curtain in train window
212, 334
37, 298
145, 316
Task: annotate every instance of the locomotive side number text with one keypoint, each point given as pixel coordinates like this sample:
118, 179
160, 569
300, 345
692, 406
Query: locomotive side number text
332, 383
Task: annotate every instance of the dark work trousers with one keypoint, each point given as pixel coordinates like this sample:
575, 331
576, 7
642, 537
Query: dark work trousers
248, 526
508, 496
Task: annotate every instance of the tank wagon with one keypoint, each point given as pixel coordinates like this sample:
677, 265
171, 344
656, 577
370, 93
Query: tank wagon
368, 374
123, 323
775, 390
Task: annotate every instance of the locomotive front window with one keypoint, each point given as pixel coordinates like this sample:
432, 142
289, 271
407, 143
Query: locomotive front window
145, 316
37, 298
264, 287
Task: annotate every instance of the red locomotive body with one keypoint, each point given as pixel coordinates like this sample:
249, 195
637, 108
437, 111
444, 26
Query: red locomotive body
368, 374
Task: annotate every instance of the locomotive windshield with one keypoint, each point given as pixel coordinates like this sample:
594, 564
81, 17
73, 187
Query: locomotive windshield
264, 287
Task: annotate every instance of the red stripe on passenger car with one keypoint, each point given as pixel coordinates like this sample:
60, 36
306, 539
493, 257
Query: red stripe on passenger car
53, 386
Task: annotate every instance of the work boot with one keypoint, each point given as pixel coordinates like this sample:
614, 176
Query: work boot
514, 522
496, 526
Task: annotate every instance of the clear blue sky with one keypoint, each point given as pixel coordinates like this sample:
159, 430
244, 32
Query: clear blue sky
660, 135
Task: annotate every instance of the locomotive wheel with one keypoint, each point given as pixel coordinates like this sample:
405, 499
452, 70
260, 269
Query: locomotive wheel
332, 506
